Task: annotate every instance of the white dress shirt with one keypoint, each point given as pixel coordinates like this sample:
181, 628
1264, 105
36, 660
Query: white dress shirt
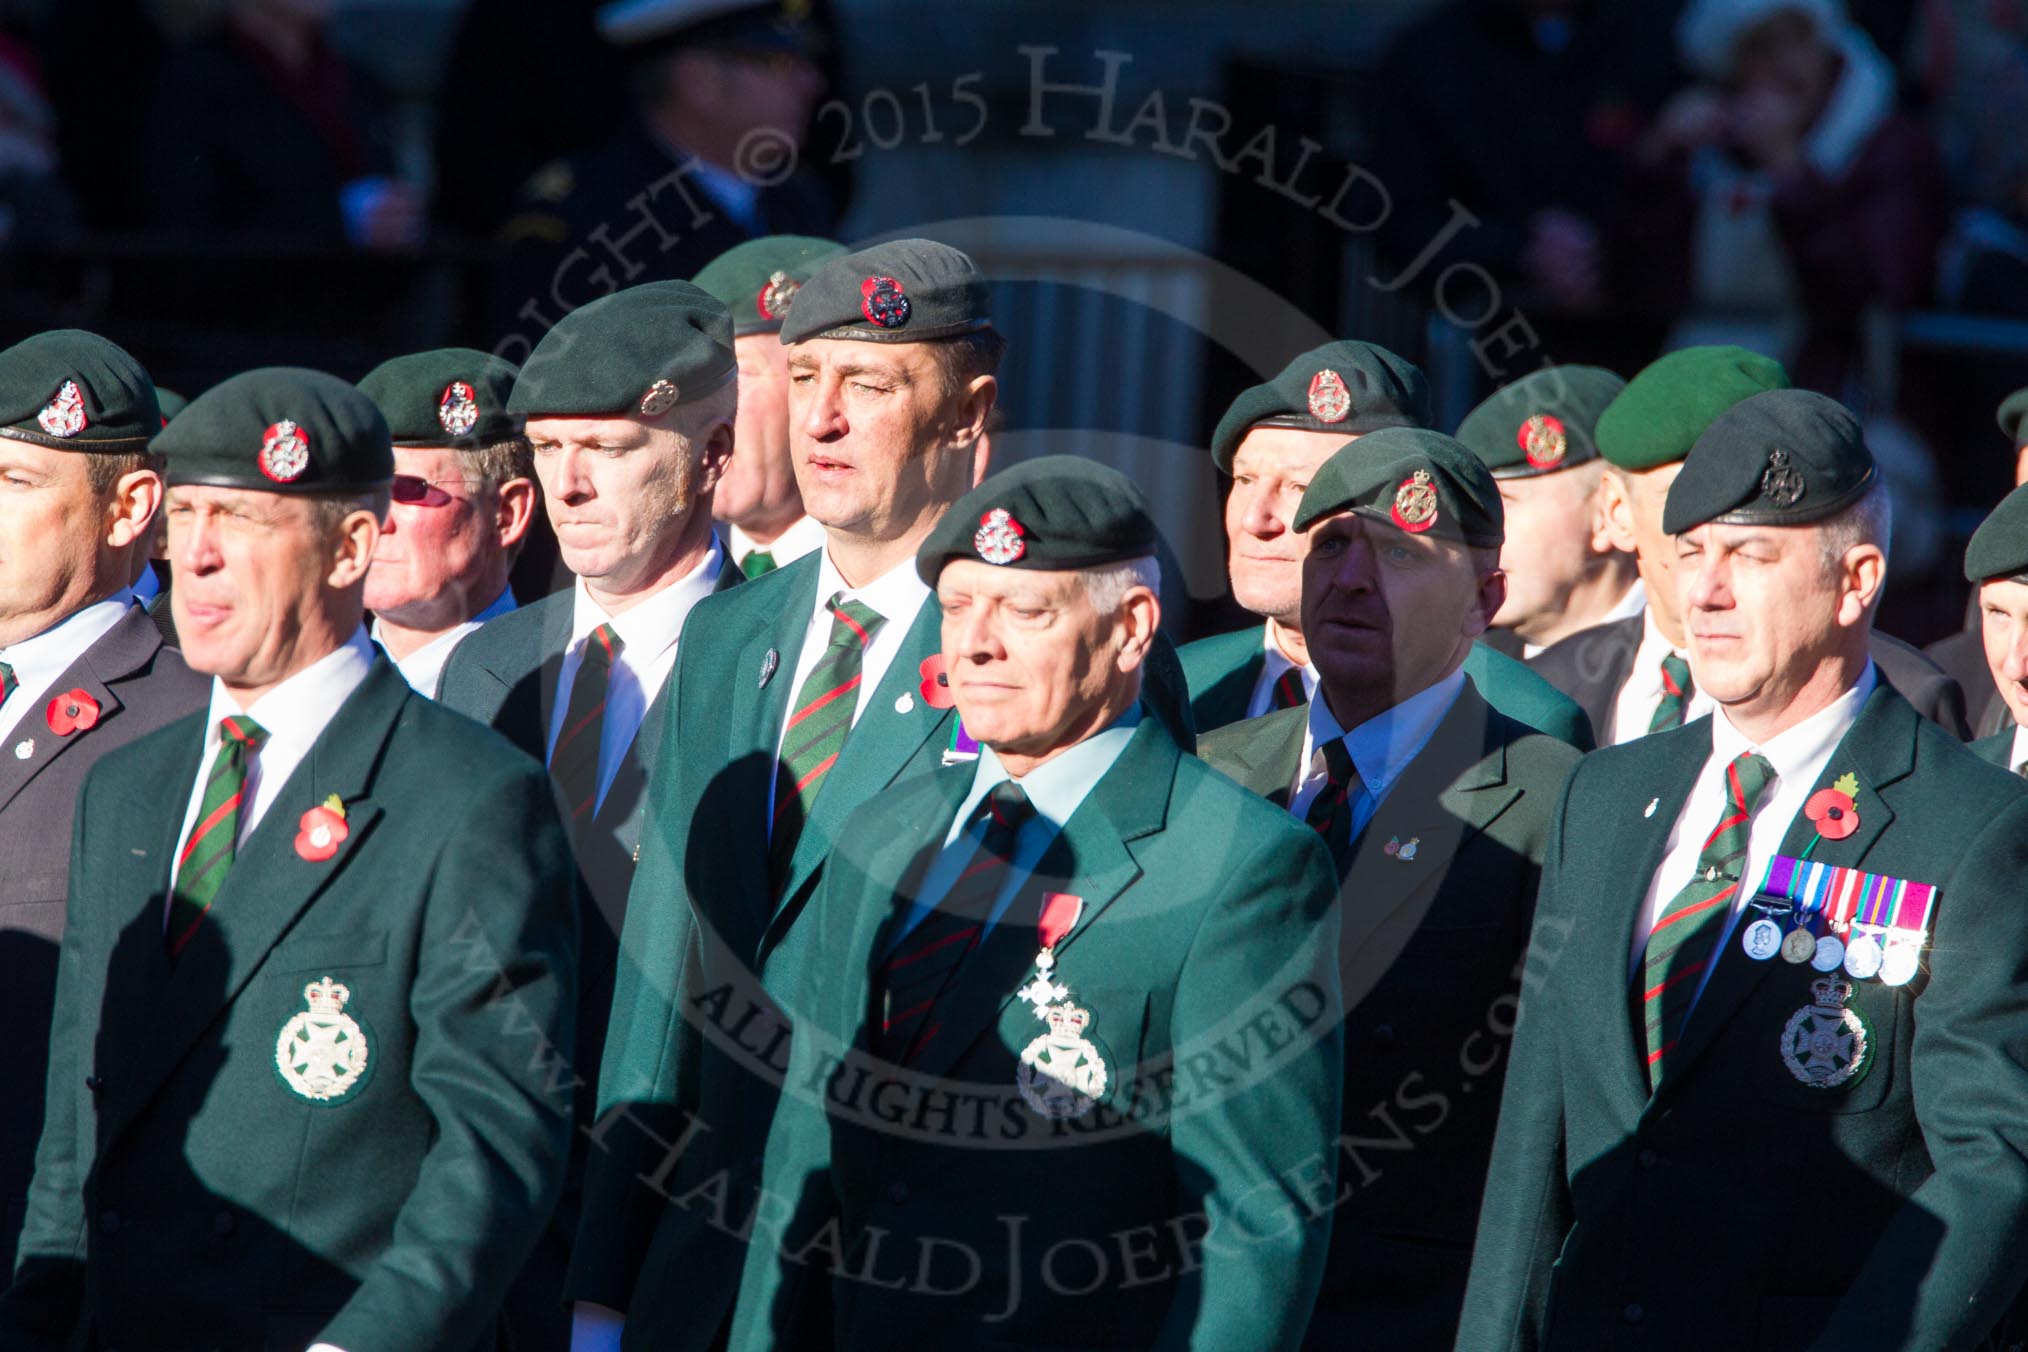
39, 661
2020, 748
1056, 788
805, 537
648, 632
897, 596
1635, 707
424, 667
294, 715
1798, 756
1381, 747
1262, 701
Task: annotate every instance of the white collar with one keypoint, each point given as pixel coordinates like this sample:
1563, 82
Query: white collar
425, 665
296, 711
2020, 747
651, 627
896, 595
49, 654
1384, 744
1796, 748
1654, 645
806, 536
1635, 602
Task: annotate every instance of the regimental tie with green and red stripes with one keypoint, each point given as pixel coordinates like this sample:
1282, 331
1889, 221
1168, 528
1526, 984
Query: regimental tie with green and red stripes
574, 760
815, 733
214, 840
1685, 939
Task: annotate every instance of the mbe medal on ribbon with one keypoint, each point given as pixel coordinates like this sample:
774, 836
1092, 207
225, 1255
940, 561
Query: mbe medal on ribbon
1827, 1044
322, 1053
1061, 1074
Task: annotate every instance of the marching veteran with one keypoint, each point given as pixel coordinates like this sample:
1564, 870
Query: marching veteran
1770, 1083
629, 404
83, 670
1069, 1016
800, 694
1996, 563
321, 941
463, 497
1436, 809
757, 500
1270, 442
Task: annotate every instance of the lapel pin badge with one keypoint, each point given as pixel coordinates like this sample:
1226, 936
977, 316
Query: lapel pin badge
1404, 850
1649, 810
904, 704
24, 749
768, 665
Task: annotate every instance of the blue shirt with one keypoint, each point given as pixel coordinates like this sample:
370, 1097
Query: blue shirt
1056, 788
1381, 747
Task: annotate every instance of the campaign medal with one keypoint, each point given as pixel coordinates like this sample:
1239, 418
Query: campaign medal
1061, 1074
1827, 1044
1907, 927
1763, 938
1800, 943
322, 1052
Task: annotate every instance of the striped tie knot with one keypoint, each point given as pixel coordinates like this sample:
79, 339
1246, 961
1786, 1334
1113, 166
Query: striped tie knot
213, 842
1330, 812
1289, 691
243, 730
604, 646
574, 760
1675, 701
7, 682
1008, 809
853, 623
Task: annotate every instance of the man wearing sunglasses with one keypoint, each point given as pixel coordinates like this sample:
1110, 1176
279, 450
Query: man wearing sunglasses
630, 403
463, 497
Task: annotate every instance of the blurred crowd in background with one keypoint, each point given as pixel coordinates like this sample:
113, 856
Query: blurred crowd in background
225, 183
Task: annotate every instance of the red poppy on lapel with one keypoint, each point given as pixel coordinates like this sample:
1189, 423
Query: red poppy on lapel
72, 711
936, 683
322, 830
1833, 812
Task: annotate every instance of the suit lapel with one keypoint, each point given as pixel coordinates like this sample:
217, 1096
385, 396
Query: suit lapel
883, 739
1271, 752
1879, 748
1090, 858
122, 650
270, 885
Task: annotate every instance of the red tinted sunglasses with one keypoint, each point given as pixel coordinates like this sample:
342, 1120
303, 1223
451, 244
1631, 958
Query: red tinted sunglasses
419, 492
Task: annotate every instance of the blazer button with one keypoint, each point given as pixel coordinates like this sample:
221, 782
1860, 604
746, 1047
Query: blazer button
1648, 1159
109, 1222
1633, 1314
897, 1192
223, 1224
95, 1084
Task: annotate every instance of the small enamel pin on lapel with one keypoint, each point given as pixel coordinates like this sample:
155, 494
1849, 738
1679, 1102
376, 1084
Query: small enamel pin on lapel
768, 665
1653, 803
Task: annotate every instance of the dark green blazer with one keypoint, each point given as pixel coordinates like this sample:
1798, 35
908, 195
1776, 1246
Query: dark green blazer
1221, 671
710, 952
1738, 1207
1430, 963
1997, 748
184, 1195
1204, 957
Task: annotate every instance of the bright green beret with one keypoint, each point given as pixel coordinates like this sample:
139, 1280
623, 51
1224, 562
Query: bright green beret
1999, 547
1781, 458
1542, 422
636, 353
1414, 479
1347, 386
75, 391
280, 429
758, 280
903, 291
1665, 408
1055, 512
454, 396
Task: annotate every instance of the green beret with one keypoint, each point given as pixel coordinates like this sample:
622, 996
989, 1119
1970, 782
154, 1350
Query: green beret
74, 391
2013, 409
1541, 423
170, 402
280, 429
636, 353
758, 280
1420, 481
1665, 408
1055, 512
1999, 547
1781, 458
454, 396
903, 291
1347, 386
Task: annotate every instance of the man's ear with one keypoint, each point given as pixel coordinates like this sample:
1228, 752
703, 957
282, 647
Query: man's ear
1863, 572
352, 549
1617, 510
714, 457
514, 510
131, 512
1141, 615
